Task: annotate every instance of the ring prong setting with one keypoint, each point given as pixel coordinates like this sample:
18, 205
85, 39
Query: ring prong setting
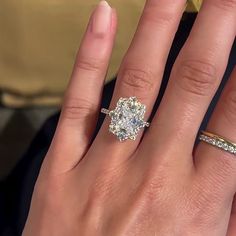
127, 119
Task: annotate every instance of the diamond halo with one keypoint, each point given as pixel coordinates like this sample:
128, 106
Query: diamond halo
127, 119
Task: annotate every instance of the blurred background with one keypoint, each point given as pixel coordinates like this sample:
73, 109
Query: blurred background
38, 44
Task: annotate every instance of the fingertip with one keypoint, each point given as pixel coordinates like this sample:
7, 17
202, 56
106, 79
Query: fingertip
101, 19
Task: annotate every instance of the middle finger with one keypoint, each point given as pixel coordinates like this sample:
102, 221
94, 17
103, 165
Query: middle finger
142, 68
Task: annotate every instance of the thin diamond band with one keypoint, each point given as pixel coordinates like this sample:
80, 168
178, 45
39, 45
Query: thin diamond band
218, 141
105, 111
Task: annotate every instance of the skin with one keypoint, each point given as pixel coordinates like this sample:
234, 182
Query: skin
156, 185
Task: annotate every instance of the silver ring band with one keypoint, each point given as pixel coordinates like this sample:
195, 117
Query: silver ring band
105, 111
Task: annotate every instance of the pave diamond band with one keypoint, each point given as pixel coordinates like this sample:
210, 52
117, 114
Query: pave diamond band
218, 141
127, 119
105, 111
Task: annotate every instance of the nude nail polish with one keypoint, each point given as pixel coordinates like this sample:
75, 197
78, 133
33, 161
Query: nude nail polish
101, 22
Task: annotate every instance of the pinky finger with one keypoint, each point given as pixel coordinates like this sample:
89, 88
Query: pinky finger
82, 98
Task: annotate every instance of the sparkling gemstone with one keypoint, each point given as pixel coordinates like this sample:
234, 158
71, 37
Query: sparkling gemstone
127, 118
210, 140
231, 149
225, 146
220, 144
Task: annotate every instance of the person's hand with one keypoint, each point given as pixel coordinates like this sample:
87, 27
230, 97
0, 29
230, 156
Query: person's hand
155, 185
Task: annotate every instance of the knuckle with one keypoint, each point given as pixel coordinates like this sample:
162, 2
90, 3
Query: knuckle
77, 109
89, 64
225, 4
229, 107
103, 186
203, 205
153, 189
98, 193
222, 170
196, 77
158, 193
201, 201
163, 18
137, 80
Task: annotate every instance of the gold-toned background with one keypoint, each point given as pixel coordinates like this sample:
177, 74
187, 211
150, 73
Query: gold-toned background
39, 40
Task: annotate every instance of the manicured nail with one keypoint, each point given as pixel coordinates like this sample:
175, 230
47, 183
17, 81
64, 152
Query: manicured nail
101, 23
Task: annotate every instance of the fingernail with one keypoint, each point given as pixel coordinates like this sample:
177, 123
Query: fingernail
101, 23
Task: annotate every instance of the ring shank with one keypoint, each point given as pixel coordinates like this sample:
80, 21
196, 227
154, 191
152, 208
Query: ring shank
218, 141
105, 111
218, 137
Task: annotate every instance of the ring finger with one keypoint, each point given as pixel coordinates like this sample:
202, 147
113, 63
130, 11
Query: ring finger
217, 167
194, 80
209, 160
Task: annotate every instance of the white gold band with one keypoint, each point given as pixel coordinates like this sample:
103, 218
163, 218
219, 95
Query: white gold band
105, 111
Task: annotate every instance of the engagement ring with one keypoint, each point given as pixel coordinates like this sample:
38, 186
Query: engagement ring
127, 119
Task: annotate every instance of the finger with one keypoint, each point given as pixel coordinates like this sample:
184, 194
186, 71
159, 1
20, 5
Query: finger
211, 162
216, 167
194, 79
82, 98
232, 221
142, 68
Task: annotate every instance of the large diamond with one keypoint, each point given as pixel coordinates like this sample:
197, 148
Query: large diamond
127, 118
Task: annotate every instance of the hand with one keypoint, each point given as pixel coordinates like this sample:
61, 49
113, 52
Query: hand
154, 185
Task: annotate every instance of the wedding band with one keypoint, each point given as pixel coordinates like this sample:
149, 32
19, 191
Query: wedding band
218, 141
127, 119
